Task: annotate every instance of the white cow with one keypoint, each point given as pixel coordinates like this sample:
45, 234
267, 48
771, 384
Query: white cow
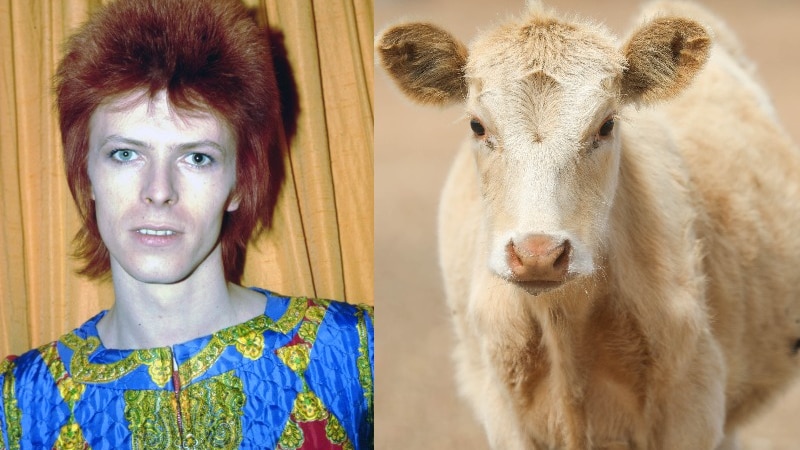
619, 235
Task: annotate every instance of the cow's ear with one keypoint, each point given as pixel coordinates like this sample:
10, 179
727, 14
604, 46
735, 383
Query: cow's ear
663, 57
426, 62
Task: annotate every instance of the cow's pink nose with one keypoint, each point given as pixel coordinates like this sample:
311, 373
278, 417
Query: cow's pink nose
538, 257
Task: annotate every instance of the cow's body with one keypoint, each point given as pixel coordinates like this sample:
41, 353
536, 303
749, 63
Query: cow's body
688, 316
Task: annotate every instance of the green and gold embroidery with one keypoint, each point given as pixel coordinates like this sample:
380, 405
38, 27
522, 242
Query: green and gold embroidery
211, 410
362, 362
296, 357
202, 361
151, 417
12, 412
334, 430
211, 413
215, 411
251, 345
70, 391
308, 407
70, 438
316, 313
5, 365
308, 331
158, 360
369, 309
292, 437
294, 314
160, 371
83, 371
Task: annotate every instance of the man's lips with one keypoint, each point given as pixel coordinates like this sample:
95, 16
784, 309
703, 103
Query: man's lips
156, 229
155, 232
156, 235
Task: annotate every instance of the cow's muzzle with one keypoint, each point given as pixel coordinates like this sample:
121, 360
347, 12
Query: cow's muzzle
539, 259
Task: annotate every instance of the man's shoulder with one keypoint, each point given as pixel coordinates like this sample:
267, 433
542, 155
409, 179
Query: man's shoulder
317, 309
30, 365
345, 309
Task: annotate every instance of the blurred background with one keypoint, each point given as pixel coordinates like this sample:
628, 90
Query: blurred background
416, 402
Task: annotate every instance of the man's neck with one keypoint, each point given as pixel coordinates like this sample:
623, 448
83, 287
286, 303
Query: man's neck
158, 315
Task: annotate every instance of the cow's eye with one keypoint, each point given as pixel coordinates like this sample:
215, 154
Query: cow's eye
477, 127
607, 128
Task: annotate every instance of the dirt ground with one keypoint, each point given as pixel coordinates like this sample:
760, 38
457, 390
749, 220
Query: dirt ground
416, 402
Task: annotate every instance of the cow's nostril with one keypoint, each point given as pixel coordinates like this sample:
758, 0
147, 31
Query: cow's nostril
562, 262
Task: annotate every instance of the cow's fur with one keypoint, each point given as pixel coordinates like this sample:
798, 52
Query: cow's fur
679, 316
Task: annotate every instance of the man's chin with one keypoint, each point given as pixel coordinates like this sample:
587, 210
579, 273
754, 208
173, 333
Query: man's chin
151, 272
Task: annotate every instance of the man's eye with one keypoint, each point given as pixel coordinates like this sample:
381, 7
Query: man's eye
123, 155
199, 159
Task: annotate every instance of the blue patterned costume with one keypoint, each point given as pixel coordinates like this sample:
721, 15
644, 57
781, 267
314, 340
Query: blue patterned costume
298, 376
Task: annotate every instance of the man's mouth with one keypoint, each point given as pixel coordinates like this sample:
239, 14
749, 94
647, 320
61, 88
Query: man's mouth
149, 232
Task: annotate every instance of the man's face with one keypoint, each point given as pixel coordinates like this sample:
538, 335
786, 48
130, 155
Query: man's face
161, 182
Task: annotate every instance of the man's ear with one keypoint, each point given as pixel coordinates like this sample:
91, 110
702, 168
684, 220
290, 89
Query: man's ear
663, 56
426, 62
233, 203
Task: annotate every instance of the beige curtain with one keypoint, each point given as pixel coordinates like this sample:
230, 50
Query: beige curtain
321, 240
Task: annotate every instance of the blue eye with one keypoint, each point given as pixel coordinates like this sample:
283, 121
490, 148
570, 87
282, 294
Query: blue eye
123, 155
199, 159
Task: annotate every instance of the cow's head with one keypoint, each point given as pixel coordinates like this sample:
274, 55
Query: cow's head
543, 99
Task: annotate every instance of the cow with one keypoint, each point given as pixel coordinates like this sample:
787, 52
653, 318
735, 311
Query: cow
617, 234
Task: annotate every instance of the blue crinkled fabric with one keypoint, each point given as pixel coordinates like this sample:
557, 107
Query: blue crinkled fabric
299, 376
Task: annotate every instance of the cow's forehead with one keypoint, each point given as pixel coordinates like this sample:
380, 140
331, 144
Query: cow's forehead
542, 100
575, 56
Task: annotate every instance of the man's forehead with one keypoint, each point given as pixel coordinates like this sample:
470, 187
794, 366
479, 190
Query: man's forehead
154, 122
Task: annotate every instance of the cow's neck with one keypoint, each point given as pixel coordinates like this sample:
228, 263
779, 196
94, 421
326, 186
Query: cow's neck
565, 317
545, 345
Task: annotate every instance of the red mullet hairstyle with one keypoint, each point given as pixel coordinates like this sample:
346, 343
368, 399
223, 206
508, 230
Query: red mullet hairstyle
207, 55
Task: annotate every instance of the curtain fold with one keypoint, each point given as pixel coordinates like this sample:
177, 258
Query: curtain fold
320, 242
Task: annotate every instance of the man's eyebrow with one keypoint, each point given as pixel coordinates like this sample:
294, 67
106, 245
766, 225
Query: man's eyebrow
202, 143
117, 139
